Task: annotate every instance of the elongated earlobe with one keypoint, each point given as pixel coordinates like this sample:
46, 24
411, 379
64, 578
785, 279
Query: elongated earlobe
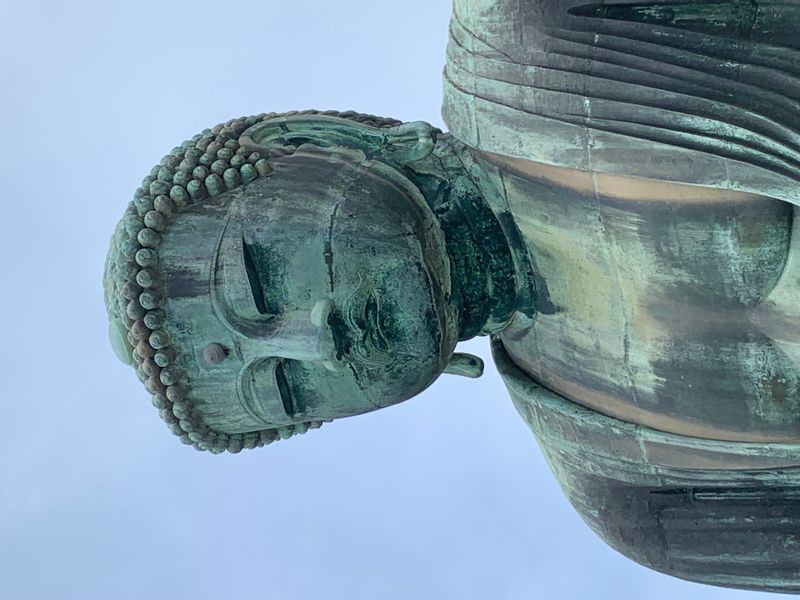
466, 365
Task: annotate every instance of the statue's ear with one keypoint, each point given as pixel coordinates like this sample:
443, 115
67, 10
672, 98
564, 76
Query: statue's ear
119, 343
398, 145
465, 365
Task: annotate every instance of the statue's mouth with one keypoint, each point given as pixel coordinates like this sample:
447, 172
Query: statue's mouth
356, 329
367, 343
374, 336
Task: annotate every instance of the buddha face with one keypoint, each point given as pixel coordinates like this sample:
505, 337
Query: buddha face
318, 292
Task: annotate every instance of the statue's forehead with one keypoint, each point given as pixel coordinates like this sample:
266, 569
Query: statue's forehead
187, 250
205, 236
200, 253
187, 262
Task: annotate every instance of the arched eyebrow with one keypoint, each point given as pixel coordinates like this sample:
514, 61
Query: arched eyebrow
244, 391
217, 301
252, 403
221, 306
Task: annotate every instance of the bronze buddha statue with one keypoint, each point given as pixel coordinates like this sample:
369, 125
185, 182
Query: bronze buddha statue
614, 204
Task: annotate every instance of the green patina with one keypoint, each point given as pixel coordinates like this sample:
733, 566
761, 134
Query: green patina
281, 271
734, 18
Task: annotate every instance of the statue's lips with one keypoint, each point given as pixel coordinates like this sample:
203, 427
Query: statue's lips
366, 344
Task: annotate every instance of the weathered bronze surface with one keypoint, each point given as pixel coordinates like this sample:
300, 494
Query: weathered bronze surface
614, 206
281, 271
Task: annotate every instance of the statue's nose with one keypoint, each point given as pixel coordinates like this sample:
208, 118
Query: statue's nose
305, 335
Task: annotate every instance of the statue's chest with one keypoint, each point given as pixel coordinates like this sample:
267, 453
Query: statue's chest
673, 313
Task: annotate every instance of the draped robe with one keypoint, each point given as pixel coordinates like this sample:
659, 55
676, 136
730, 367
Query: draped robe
660, 372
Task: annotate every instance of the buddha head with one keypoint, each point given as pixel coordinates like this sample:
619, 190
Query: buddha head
281, 271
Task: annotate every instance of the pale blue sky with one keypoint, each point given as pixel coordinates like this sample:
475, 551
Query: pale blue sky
444, 497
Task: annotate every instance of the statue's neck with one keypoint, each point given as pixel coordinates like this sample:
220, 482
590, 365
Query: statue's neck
489, 265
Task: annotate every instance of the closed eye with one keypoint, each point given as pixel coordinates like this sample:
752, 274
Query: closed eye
284, 390
267, 392
252, 277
